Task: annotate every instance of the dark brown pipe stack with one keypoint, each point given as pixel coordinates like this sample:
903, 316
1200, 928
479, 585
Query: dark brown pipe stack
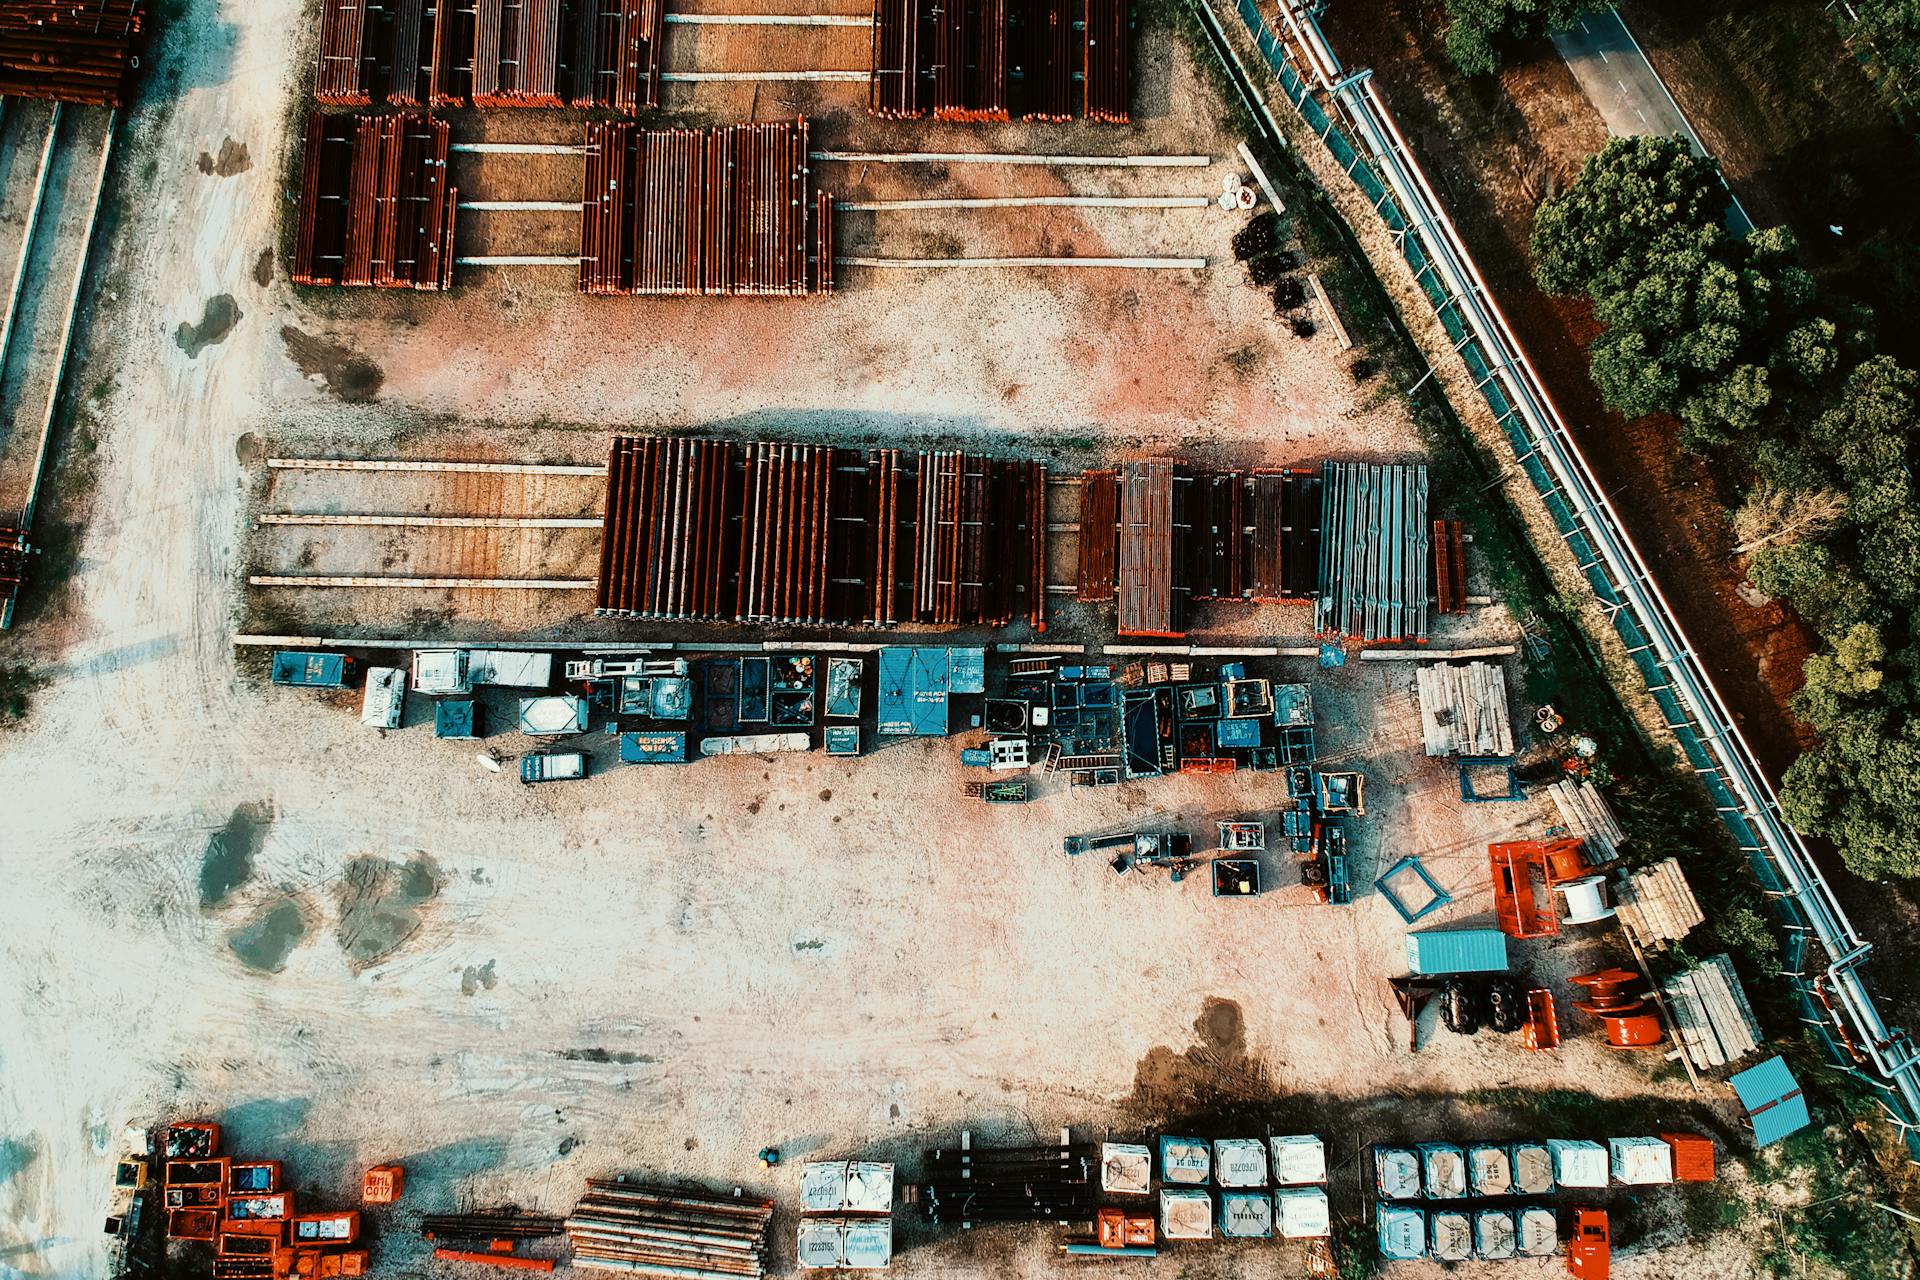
79, 51
376, 208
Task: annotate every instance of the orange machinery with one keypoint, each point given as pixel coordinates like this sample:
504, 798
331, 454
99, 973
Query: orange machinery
1116, 1229
1614, 996
1524, 873
1590, 1251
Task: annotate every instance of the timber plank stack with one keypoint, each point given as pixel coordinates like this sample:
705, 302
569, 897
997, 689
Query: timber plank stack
1374, 558
1586, 814
725, 211
813, 535
376, 208
78, 51
987, 61
662, 1231
1657, 904
491, 53
968, 1186
1711, 1017
1463, 709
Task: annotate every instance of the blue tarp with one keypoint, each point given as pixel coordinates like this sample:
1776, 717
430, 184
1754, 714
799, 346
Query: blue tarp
914, 688
1773, 1100
1457, 951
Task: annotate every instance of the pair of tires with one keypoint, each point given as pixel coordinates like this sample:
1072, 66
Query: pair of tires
1468, 1004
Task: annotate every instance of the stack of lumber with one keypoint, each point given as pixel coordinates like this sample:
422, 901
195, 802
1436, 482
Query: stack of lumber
375, 204
1374, 555
658, 1231
968, 1185
1657, 904
80, 51
997, 60
1463, 710
759, 531
1711, 1017
1584, 812
721, 211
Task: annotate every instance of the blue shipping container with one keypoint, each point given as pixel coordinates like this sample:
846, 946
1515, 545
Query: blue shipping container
653, 748
1457, 951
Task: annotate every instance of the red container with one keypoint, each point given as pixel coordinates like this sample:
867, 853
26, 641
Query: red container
193, 1224
1692, 1156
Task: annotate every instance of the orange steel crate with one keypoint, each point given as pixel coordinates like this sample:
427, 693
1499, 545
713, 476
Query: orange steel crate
193, 1224
383, 1184
1692, 1156
327, 1228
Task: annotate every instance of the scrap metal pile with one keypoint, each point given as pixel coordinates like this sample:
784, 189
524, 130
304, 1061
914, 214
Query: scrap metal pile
1375, 560
492, 53
998, 60
619, 1226
1158, 536
376, 207
703, 211
968, 1185
753, 531
79, 51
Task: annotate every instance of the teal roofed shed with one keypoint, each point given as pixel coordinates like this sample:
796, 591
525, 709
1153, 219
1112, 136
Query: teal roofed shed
1773, 1100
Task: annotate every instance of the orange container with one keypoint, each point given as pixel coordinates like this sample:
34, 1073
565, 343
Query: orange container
191, 1140
1139, 1232
382, 1184
1110, 1226
330, 1264
1692, 1156
193, 1224
353, 1262
253, 1177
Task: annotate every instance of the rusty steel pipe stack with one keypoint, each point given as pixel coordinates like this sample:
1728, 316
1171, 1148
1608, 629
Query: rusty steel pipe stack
721, 212
78, 51
797, 534
996, 60
490, 53
376, 206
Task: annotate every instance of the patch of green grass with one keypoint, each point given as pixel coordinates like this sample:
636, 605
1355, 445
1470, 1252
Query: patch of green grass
18, 684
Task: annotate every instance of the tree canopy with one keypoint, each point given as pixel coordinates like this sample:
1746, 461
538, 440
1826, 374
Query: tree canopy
1480, 33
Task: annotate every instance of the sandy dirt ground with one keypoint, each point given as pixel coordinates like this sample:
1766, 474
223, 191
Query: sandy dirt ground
659, 972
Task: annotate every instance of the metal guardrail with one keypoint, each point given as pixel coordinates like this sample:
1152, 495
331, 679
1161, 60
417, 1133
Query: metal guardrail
1384, 168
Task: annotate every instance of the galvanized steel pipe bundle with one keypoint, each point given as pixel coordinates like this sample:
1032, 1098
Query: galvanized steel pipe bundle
79, 51
761, 532
996, 60
1374, 554
721, 211
375, 204
658, 1231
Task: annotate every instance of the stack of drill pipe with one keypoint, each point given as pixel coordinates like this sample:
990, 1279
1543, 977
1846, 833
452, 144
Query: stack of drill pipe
652, 1230
464, 1227
78, 51
969, 1185
616, 54
787, 525
893, 91
676, 212
1047, 58
410, 84
489, 49
342, 77
454, 34
970, 61
375, 204
1108, 79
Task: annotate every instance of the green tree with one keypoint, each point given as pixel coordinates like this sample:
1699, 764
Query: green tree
1480, 33
1891, 28
1636, 196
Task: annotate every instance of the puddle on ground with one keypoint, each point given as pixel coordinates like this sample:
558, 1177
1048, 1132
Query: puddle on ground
228, 861
263, 268
264, 942
380, 904
216, 322
232, 160
353, 378
476, 978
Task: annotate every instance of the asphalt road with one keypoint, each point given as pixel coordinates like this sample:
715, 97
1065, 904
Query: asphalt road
1614, 73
